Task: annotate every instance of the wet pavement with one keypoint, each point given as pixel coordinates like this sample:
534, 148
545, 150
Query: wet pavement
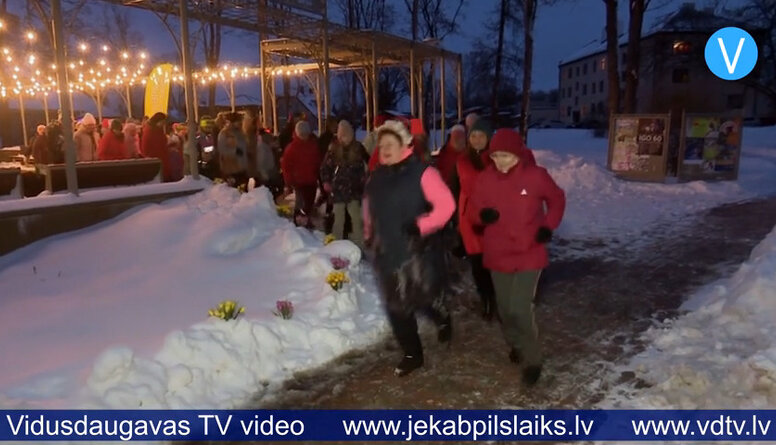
591, 310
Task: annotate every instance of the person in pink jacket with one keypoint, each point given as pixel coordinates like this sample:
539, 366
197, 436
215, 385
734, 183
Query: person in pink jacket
406, 207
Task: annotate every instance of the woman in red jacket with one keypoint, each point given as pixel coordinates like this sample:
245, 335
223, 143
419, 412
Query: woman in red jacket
467, 169
301, 164
111, 146
509, 200
154, 142
453, 149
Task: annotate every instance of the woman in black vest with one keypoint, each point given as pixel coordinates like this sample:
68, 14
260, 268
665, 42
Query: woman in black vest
407, 204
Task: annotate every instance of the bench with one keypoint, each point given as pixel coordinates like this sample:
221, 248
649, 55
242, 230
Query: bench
97, 174
9, 181
8, 154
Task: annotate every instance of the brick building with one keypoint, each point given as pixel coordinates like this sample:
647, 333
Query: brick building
673, 73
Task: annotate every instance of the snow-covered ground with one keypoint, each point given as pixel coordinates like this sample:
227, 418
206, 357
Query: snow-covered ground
599, 206
116, 314
720, 355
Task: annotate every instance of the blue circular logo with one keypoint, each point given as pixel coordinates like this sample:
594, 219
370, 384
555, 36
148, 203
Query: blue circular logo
731, 53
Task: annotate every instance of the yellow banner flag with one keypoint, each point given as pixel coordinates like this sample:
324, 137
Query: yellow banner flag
157, 94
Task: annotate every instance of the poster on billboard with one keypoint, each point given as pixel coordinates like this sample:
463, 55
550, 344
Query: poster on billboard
710, 148
638, 146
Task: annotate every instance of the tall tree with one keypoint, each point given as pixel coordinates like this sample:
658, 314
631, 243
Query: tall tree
636, 10
762, 14
529, 18
612, 65
502, 23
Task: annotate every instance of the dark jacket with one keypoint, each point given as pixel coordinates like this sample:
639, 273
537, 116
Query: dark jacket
395, 200
344, 169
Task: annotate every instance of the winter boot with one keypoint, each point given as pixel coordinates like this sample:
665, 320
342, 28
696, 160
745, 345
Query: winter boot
408, 364
531, 374
489, 310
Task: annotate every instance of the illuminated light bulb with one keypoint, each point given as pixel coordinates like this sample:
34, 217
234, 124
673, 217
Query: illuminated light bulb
81, 62
30, 35
6, 51
105, 48
102, 62
143, 55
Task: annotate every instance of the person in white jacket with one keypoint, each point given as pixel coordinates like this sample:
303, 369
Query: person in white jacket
86, 139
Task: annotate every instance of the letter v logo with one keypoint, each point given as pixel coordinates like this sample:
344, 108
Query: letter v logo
718, 52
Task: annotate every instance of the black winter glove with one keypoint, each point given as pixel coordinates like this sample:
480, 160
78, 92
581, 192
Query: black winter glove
411, 228
543, 235
489, 215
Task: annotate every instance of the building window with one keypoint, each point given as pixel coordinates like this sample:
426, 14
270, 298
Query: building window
584, 89
624, 58
681, 75
577, 70
592, 88
603, 63
735, 101
568, 111
576, 87
568, 92
576, 100
601, 86
601, 107
584, 69
594, 66
571, 72
682, 47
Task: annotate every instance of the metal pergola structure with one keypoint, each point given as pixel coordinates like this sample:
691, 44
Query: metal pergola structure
298, 29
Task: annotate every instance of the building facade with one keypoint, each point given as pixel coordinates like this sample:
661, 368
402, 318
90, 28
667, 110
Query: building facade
673, 76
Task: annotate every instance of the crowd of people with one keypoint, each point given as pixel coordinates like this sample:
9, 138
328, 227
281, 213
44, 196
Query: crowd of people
482, 198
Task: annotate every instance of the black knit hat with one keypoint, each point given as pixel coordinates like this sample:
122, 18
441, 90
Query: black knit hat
482, 125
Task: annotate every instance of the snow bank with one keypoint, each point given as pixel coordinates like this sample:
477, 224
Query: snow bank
721, 355
131, 296
599, 205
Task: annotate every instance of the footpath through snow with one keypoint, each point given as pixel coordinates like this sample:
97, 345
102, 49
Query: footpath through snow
720, 355
115, 315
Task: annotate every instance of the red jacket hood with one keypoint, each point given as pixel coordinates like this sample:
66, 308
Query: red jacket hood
511, 141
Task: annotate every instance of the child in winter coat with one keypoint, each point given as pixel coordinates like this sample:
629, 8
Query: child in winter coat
407, 204
509, 200
301, 164
467, 169
343, 174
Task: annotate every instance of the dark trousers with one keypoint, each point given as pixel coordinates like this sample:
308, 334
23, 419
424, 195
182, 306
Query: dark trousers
304, 203
405, 325
482, 280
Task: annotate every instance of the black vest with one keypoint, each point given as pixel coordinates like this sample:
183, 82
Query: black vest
395, 200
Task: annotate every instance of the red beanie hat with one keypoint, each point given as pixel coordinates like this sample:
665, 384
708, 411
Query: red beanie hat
509, 140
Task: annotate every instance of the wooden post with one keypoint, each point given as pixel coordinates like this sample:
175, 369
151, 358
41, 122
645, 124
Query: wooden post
45, 106
375, 80
99, 106
72, 108
318, 104
420, 93
459, 87
231, 95
274, 100
367, 100
263, 84
413, 95
326, 86
129, 101
188, 87
24, 119
195, 93
67, 106
442, 96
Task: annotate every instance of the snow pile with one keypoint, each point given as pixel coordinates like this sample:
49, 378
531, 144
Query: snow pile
721, 355
599, 205
132, 296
